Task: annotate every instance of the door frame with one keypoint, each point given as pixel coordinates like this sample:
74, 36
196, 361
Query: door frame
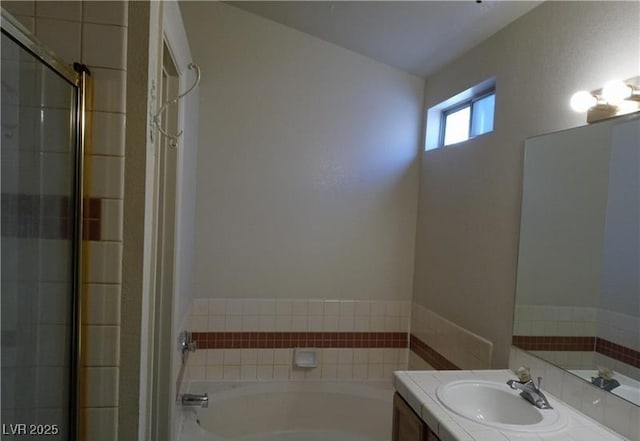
150, 24
162, 327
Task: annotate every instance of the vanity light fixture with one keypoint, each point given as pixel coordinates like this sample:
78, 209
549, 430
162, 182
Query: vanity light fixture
582, 101
615, 92
614, 99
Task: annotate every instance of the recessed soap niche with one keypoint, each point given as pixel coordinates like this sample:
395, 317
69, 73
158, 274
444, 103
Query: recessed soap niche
305, 357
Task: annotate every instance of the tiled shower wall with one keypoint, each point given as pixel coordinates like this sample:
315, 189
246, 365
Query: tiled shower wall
94, 33
254, 339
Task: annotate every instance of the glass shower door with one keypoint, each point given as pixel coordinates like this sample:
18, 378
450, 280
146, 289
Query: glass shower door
38, 194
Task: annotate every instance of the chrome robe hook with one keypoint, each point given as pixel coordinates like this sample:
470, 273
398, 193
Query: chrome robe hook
157, 119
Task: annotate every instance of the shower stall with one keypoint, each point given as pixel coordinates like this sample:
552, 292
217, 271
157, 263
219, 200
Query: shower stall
42, 133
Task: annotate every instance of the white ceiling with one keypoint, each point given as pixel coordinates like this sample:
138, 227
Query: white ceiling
415, 36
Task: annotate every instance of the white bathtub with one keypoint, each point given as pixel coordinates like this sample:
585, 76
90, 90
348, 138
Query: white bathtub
291, 411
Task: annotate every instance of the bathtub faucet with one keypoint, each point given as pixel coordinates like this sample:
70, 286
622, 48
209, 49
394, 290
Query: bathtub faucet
201, 400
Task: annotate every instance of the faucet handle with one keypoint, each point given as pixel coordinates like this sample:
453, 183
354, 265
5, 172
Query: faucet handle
605, 372
539, 382
524, 374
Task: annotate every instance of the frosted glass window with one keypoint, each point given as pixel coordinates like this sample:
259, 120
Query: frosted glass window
456, 126
467, 118
482, 115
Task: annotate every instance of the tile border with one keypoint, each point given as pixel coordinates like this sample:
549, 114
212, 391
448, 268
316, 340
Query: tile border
430, 355
563, 343
618, 352
554, 343
259, 340
453, 344
46, 216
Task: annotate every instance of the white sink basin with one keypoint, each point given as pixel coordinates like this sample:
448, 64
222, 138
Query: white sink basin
498, 406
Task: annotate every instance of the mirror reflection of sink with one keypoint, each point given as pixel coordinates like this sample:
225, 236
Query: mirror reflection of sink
496, 405
629, 393
629, 388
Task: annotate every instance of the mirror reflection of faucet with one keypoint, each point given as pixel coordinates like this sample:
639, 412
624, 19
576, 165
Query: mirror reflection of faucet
529, 390
605, 379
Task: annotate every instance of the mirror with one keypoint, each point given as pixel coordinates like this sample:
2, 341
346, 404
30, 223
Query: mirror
578, 283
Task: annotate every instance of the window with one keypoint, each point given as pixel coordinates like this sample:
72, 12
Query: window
469, 119
462, 117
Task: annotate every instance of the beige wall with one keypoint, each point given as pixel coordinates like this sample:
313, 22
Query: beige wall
307, 164
469, 203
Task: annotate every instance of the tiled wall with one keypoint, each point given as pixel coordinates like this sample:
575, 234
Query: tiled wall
619, 328
277, 364
94, 33
587, 360
444, 345
541, 320
299, 315
568, 359
555, 320
253, 339
570, 335
36, 250
617, 365
606, 408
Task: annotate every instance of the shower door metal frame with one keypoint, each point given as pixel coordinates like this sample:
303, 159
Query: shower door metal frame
78, 77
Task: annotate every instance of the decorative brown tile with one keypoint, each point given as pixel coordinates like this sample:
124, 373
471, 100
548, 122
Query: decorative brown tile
247, 340
47, 217
584, 343
430, 355
618, 352
554, 343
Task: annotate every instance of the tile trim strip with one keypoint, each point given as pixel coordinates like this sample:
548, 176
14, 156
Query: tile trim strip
600, 345
256, 340
430, 355
618, 352
46, 216
551, 343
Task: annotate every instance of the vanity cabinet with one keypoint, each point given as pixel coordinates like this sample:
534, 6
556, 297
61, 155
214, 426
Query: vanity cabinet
407, 425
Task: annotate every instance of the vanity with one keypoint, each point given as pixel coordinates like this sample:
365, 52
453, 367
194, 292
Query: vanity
480, 406
577, 308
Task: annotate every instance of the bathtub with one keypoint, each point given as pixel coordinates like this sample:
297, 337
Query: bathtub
629, 388
291, 411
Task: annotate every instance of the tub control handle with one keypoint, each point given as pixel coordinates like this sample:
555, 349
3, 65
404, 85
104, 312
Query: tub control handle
187, 344
201, 400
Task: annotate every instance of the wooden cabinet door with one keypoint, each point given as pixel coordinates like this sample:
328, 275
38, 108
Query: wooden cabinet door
407, 426
432, 436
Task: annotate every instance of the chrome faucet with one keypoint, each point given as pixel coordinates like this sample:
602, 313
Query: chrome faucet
605, 379
605, 384
201, 400
529, 390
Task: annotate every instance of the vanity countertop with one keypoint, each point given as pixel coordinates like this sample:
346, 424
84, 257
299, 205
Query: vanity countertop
418, 388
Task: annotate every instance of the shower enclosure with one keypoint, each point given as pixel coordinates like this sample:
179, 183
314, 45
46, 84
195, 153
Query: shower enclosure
42, 135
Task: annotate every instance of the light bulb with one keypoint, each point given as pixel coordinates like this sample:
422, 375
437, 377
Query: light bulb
582, 101
615, 92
